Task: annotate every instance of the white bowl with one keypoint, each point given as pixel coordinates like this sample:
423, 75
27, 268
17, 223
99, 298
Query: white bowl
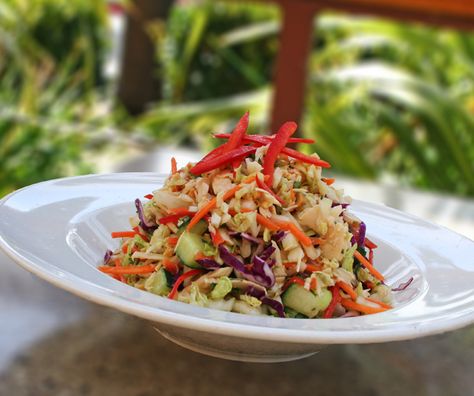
60, 229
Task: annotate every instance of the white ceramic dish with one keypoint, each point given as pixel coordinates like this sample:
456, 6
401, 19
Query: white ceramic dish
60, 229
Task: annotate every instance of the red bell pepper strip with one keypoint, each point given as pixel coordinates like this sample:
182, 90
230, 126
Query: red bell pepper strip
174, 218
336, 298
137, 232
305, 158
123, 234
264, 139
149, 196
275, 148
236, 138
214, 153
294, 279
370, 244
261, 184
209, 164
180, 280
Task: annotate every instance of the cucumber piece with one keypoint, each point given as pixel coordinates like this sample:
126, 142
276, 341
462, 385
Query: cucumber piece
189, 244
159, 283
306, 302
200, 228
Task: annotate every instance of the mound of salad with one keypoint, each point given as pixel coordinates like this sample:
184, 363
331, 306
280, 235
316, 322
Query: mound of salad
252, 228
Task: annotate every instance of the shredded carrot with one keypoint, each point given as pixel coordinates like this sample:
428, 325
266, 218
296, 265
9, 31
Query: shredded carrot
172, 241
121, 278
348, 289
328, 180
213, 202
125, 248
348, 303
216, 238
314, 267
297, 233
183, 211
267, 223
129, 269
123, 234
292, 195
313, 284
369, 266
174, 166
180, 280
382, 304
170, 265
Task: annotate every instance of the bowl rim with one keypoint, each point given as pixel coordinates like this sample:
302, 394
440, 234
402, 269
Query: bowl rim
93, 293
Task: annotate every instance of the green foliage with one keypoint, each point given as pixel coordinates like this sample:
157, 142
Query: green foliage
50, 56
201, 62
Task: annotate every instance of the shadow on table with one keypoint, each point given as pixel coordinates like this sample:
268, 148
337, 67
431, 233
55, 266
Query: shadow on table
109, 353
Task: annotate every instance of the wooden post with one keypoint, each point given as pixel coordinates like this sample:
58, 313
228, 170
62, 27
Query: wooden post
291, 63
140, 82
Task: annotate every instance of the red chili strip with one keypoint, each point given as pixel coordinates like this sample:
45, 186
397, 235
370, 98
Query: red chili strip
261, 184
276, 146
180, 280
216, 162
336, 298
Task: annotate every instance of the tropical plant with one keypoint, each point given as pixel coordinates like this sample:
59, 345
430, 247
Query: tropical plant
50, 56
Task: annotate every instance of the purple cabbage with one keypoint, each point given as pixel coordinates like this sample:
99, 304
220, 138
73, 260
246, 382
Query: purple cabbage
261, 272
344, 205
358, 236
144, 224
230, 260
278, 236
265, 255
403, 285
108, 256
208, 263
361, 234
246, 236
250, 238
276, 305
255, 292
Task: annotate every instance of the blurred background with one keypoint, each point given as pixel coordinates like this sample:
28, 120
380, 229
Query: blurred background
385, 87
386, 101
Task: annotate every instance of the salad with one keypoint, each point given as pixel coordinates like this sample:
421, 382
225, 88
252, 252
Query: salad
252, 228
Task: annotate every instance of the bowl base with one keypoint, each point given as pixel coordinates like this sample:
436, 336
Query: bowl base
237, 349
